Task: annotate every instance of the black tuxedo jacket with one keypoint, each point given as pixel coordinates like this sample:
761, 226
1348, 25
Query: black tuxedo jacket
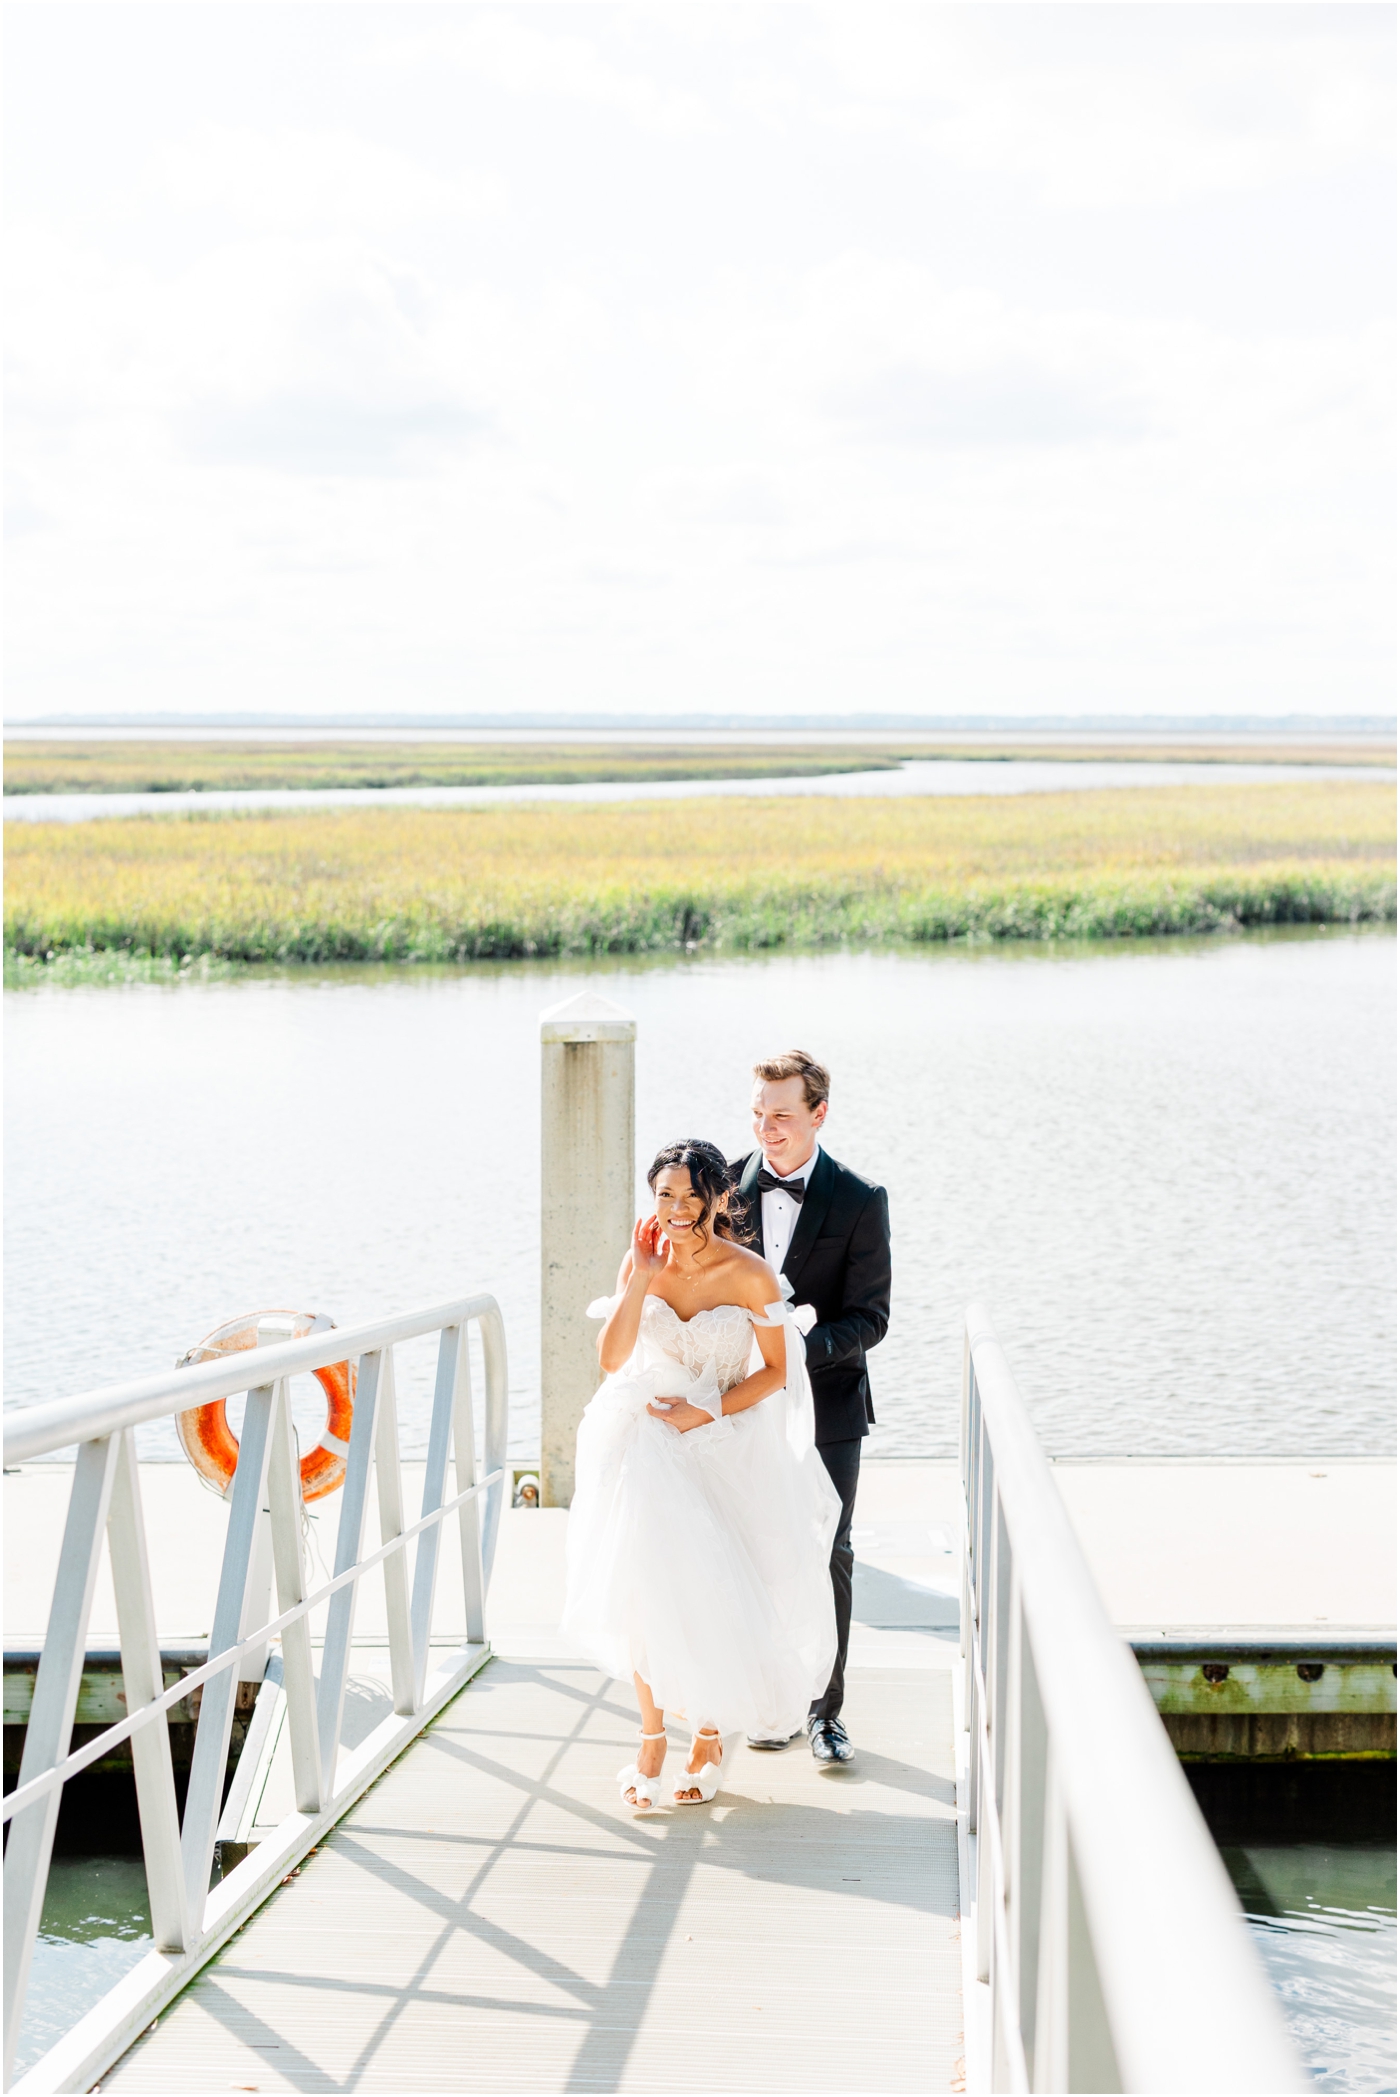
839, 1262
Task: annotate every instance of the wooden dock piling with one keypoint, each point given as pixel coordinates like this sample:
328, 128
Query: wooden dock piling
587, 1194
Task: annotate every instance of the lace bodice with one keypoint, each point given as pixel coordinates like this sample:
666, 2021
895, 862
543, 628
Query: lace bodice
711, 1352
722, 1337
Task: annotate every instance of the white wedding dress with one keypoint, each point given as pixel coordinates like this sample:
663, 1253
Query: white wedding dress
700, 1561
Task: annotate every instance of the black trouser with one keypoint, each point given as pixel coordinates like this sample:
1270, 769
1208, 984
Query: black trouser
842, 1460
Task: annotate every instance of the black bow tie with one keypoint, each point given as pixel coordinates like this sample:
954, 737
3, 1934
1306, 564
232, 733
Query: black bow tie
769, 1183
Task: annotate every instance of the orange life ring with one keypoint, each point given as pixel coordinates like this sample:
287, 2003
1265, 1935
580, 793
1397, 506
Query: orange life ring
211, 1444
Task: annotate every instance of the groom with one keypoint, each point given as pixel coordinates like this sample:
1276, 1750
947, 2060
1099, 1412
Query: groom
828, 1231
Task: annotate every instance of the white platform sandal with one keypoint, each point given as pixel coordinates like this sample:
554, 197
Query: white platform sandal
706, 1779
646, 1791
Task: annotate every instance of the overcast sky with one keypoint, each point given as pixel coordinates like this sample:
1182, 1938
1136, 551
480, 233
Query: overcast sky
671, 358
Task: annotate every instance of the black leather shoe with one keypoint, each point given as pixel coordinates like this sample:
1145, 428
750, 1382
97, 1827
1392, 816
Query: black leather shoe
829, 1741
773, 1747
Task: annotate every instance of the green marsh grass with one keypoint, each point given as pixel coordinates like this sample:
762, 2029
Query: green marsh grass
189, 767
84, 968
154, 766
725, 874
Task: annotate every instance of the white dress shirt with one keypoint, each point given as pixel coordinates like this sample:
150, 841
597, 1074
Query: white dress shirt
780, 1212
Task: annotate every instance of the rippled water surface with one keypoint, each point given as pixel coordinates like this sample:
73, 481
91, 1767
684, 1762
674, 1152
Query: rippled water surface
1323, 1921
96, 1926
1168, 1168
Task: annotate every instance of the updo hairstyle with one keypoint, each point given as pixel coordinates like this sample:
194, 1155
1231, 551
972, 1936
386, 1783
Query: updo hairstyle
709, 1178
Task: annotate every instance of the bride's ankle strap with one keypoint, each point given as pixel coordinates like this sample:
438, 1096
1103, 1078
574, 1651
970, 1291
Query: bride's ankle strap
651, 1736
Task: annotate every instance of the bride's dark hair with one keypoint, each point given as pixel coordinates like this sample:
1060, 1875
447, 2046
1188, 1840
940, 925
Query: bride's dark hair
709, 1177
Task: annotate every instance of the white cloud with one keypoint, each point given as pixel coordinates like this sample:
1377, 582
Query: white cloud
638, 358
304, 181
501, 47
318, 359
1098, 106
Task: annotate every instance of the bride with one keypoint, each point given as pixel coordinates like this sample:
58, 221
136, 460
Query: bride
702, 1519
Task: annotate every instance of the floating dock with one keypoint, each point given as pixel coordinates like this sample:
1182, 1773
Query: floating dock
489, 1914
1258, 1597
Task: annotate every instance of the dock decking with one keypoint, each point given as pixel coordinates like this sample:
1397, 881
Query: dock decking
488, 1915
491, 1916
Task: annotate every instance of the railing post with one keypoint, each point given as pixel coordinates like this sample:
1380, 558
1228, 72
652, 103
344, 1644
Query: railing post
1091, 2061
298, 1673
51, 1720
469, 1529
452, 1374
257, 1604
1051, 2049
209, 1761
588, 1184
143, 1679
1032, 1776
349, 1542
389, 1481
999, 1661
987, 1838
497, 1402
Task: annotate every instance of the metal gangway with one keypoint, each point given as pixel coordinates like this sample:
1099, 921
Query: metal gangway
1107, 1950
191, 1919
1082, 1935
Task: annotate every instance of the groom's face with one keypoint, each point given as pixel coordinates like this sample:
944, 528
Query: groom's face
786, 1127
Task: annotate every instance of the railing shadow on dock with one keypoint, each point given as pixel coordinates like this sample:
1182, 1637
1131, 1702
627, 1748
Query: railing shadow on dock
1106, 1949
191, 1919
523, 1924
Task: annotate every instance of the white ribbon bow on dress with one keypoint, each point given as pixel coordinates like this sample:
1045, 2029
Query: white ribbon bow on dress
801, 1425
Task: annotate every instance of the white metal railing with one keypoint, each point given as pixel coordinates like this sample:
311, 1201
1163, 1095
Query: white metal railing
189, 1919
1110, 1951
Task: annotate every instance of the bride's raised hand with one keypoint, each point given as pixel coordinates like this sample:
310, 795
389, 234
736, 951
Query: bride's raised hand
650, 1249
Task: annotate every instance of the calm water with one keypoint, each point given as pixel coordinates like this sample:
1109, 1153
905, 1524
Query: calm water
1323, 1920
918, 776
96, 1926
1168, 1168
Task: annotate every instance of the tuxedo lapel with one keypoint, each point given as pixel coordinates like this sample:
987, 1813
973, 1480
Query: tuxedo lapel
748, 1194
748, 1178
812, 1215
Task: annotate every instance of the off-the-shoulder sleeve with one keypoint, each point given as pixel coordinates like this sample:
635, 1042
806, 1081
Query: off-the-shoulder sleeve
801, 1425
601, 1307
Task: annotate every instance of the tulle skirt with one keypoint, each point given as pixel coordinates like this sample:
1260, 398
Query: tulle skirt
701, 1561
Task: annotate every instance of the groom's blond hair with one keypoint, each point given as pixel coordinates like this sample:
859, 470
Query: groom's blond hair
796, 1063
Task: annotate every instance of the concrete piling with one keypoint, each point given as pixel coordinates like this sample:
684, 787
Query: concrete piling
587, 1202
